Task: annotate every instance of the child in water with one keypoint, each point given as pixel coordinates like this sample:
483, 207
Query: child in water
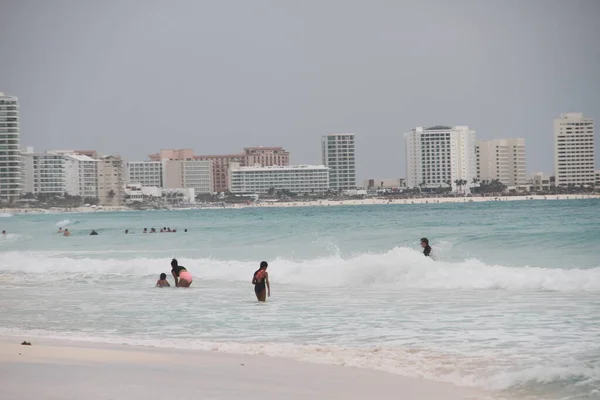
162, 282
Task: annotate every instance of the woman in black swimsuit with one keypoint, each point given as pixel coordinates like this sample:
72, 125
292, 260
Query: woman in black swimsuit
260, 280
181, 275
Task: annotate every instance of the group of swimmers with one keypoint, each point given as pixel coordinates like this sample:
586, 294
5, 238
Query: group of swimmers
66, 232
260, 279
182, 277
162, 230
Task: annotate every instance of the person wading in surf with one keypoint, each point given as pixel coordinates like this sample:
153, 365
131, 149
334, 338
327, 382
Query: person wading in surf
260, 280
427, 252
181, 275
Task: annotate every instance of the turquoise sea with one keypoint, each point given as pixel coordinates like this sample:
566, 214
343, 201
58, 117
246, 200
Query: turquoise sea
510, 306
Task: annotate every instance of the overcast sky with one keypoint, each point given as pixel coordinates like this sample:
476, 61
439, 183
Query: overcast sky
132, 77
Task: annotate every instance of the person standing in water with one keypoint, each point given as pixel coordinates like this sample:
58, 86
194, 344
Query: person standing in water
260, 280
181, 275
66, 233
426, 248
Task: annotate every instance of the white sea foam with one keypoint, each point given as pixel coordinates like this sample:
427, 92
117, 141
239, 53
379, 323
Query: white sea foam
5, 215
63, 223
398, 268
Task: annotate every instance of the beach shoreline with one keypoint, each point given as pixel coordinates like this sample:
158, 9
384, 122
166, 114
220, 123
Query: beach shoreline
312, 203
75, 370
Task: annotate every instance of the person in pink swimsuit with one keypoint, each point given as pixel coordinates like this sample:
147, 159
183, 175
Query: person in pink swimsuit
181, 275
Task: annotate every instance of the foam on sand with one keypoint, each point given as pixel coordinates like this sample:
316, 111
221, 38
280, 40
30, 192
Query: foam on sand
143, 373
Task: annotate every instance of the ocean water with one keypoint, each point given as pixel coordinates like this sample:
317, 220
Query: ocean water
511, 305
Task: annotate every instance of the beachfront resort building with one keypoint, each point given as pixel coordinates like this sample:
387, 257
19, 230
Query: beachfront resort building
81, 175
338, 153
504, 160
266, 156
384, 183
439, 156
220, 168
597, 180
111, 180
260, 155
188, 173
146, 173
574, 150
11, 174
540, 182
299, 179
43, 173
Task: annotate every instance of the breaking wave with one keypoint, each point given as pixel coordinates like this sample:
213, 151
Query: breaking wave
400, 268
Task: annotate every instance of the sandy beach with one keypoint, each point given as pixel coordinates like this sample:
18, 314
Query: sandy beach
316, 203
52, 369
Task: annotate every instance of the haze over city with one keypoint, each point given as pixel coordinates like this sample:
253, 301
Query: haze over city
132, 78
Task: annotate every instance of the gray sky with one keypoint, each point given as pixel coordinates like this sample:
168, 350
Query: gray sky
136, 76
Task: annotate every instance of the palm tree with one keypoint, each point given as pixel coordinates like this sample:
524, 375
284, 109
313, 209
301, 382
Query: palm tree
458, 184
475, 182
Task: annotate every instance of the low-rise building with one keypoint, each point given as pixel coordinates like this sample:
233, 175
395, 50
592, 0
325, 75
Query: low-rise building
394, 183
539, 182
136, 193
299, 179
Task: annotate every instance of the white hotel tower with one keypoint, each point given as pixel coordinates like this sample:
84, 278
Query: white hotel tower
574, 150
11, 179
440, 154
339, 156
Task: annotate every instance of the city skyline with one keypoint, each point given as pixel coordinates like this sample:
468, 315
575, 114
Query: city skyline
189, 80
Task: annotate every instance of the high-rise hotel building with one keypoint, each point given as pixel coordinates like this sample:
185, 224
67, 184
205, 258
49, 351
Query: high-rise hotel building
502, 159
574, 150
338, 152
11, 178
439, 156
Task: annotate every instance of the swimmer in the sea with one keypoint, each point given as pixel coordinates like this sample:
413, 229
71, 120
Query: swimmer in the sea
181, 275
162, 282
60, 230
260, 280
66, 233
426, 248
3, 233
93, 233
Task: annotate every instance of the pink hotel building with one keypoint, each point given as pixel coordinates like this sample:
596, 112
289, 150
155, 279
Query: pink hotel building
265, 156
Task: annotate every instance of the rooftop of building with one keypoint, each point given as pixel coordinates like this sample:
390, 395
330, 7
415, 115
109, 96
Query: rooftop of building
268, 148
80, 157
239, 155
279, 167
438, 128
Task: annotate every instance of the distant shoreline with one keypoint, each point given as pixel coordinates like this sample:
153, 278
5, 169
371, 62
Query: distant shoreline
312, 203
